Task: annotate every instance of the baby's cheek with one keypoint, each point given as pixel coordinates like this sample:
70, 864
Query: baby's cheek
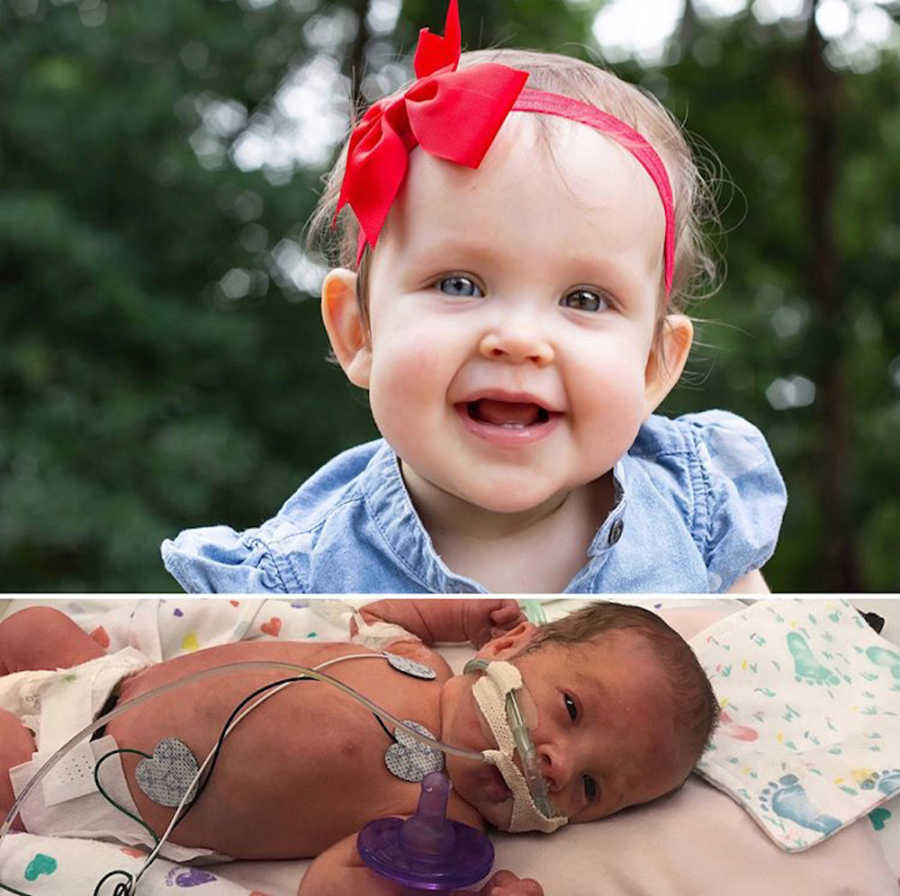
405, 383
610, 408
417, 360
614, 395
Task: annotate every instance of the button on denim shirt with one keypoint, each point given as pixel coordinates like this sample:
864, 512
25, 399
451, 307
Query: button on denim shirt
699, 504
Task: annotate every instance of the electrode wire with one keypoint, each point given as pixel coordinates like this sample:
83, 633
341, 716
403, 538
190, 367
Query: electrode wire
188, 800
98, 723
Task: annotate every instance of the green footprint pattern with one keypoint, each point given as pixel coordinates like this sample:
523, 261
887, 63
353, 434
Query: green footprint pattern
788, 799
806, 667
881, 656
887, 781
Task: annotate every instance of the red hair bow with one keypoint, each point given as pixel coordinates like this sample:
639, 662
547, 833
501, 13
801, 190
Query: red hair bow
455, 116
452, 115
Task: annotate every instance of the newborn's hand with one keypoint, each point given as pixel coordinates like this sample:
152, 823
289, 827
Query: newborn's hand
505, 883
487, 619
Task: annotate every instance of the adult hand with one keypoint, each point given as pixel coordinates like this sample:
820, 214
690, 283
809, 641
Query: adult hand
505, 883
488, 619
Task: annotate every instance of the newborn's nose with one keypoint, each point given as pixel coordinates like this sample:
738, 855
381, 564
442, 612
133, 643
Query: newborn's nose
553, 768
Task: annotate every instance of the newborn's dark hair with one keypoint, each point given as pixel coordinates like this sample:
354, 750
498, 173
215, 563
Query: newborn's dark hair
696, 707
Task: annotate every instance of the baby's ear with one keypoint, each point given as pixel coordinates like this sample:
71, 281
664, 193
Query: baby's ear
345, 325
667, 359
509, 643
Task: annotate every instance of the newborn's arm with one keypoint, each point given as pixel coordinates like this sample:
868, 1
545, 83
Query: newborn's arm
474, 620
340, 870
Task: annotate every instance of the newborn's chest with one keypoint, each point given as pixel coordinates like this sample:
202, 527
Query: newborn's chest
349, 766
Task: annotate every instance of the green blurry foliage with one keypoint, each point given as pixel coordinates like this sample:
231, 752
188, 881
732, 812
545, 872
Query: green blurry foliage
767, 321
139, 399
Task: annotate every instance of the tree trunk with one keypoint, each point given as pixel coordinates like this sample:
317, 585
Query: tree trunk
687, 27
357, 57
840, 570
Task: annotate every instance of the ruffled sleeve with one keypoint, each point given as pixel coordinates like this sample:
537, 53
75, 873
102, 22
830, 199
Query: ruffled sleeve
219, 560
741, 496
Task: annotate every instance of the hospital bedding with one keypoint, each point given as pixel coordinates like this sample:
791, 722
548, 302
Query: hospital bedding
697, 841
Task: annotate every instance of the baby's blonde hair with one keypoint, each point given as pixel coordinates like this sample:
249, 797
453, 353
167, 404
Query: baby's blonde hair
694, 261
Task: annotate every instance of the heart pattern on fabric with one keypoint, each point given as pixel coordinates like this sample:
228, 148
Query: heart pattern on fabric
166, 776
410, 759
40, 864
189, 877
272, 627
879, 817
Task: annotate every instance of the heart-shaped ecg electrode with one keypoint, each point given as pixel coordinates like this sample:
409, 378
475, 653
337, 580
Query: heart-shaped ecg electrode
167, 775
410, 759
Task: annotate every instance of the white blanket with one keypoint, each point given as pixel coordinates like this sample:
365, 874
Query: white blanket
66, 865
809, 739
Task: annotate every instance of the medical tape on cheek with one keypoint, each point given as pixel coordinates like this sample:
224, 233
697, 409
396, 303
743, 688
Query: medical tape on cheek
490, 692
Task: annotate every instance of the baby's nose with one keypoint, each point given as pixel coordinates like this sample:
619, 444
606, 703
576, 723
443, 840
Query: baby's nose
516, 347
553, 768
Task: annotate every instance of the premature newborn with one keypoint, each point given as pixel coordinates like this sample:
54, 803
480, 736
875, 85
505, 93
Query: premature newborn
618, 709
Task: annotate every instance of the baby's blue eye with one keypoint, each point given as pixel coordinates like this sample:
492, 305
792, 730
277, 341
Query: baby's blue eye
584, 300
571, 708
590, 788
459, 286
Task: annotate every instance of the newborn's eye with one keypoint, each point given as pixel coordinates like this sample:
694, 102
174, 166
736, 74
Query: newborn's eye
571, 708
459, 286
590, 788
584, 300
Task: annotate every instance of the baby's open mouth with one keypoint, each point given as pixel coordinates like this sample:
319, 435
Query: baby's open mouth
510, 414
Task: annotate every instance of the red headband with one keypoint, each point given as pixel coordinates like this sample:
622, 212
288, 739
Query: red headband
455, 115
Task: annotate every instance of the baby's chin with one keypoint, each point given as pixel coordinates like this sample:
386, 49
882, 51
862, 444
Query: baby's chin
498, 814
484, 789
494, 799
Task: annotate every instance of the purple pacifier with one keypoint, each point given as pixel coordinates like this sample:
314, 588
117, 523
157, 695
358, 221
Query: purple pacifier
427, 851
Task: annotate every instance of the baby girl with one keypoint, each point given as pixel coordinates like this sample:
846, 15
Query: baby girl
510, 289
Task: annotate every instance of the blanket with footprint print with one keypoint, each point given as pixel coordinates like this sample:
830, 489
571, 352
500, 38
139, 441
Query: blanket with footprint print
809, 736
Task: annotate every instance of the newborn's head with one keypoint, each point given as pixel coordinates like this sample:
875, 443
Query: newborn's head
693, 702
620, 711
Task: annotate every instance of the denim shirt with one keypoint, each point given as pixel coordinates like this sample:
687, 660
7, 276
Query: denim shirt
699, 504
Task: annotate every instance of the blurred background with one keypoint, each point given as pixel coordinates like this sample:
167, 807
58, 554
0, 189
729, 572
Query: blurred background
163, 362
